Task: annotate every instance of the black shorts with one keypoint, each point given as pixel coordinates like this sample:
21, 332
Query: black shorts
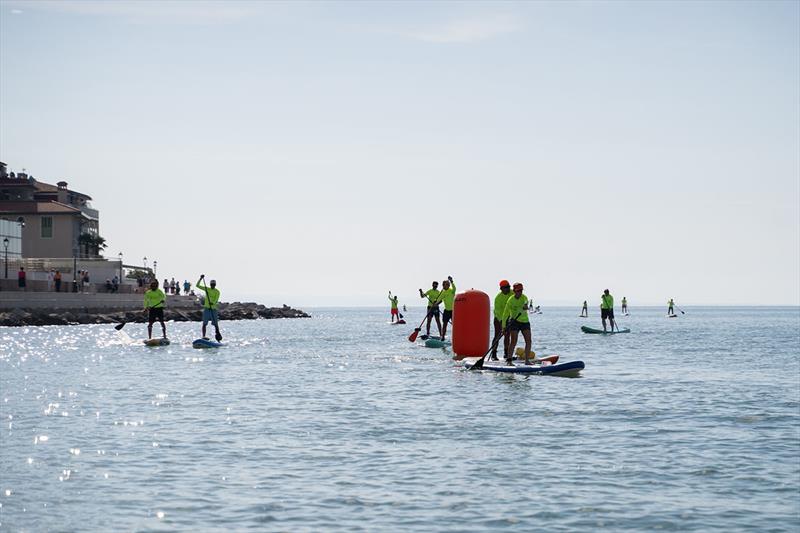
155, 314
519, 326
433, 311
447, 315
606, 313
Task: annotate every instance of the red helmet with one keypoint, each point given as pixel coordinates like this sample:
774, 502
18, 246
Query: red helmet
504, 283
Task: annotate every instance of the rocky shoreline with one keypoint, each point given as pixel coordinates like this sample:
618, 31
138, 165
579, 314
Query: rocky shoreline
64, 317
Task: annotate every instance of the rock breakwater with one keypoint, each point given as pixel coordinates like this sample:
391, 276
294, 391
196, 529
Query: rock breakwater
63, 317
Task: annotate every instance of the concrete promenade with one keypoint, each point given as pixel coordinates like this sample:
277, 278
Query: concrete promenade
99, 302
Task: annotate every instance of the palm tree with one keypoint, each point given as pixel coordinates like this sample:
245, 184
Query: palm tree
92, 244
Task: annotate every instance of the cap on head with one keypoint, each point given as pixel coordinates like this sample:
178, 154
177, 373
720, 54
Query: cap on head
213, 282
518, 286
504, 283
605, 291
435, 283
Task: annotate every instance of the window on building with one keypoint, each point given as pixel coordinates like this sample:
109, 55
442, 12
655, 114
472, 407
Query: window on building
47, 227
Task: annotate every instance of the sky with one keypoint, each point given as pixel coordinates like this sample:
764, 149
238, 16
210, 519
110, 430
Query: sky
324, 153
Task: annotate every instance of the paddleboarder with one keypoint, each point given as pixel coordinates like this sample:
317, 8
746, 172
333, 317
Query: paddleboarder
670, 310
607, 309
585, 310
433, 307
154, 299
516, 319
448, 296
499, 308
395, 312
210, 304
624, 305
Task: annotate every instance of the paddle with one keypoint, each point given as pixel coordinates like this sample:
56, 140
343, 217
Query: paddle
218, 335
679, 309
121, 325
479, 363
413, 336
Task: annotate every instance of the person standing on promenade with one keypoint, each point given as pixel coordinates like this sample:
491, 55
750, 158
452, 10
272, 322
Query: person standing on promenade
607, 310
186, 286
210, 304
395, 312
50, 278
87, 287
166, 286
585, 309
500, 302
57, 280
447, 296
516, 321
433, 307
21, 278
670, 310
624, 305
154, 301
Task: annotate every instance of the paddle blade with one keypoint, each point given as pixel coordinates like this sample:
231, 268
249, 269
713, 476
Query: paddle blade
119, 326
413, 336
478, 364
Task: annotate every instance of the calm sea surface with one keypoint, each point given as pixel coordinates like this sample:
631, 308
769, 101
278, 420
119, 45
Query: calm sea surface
338, 423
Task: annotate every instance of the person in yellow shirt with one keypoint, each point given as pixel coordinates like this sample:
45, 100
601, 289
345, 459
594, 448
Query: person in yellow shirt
516, 320
154, 300
499, 308
433, 307
447, 296
395, 311
210, 304
607, 310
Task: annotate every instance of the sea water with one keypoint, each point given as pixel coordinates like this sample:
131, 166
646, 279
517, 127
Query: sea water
339, 423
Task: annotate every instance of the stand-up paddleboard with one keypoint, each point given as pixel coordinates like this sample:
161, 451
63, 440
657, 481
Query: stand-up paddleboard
432, 342
571, 369
397, 323
206, 343
587, 329
156, 342
672, 316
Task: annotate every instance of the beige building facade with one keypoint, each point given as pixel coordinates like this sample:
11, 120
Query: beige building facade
56, 221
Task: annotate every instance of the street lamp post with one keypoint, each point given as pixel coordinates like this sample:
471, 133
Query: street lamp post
155, 269
120, 268
75, 270
5, 245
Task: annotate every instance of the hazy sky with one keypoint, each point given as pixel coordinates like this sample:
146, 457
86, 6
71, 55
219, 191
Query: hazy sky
323, 153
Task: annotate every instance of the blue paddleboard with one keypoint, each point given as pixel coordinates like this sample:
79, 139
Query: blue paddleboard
571, 369
206, 343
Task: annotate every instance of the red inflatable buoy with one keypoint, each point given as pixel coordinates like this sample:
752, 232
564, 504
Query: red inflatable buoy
471, 324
